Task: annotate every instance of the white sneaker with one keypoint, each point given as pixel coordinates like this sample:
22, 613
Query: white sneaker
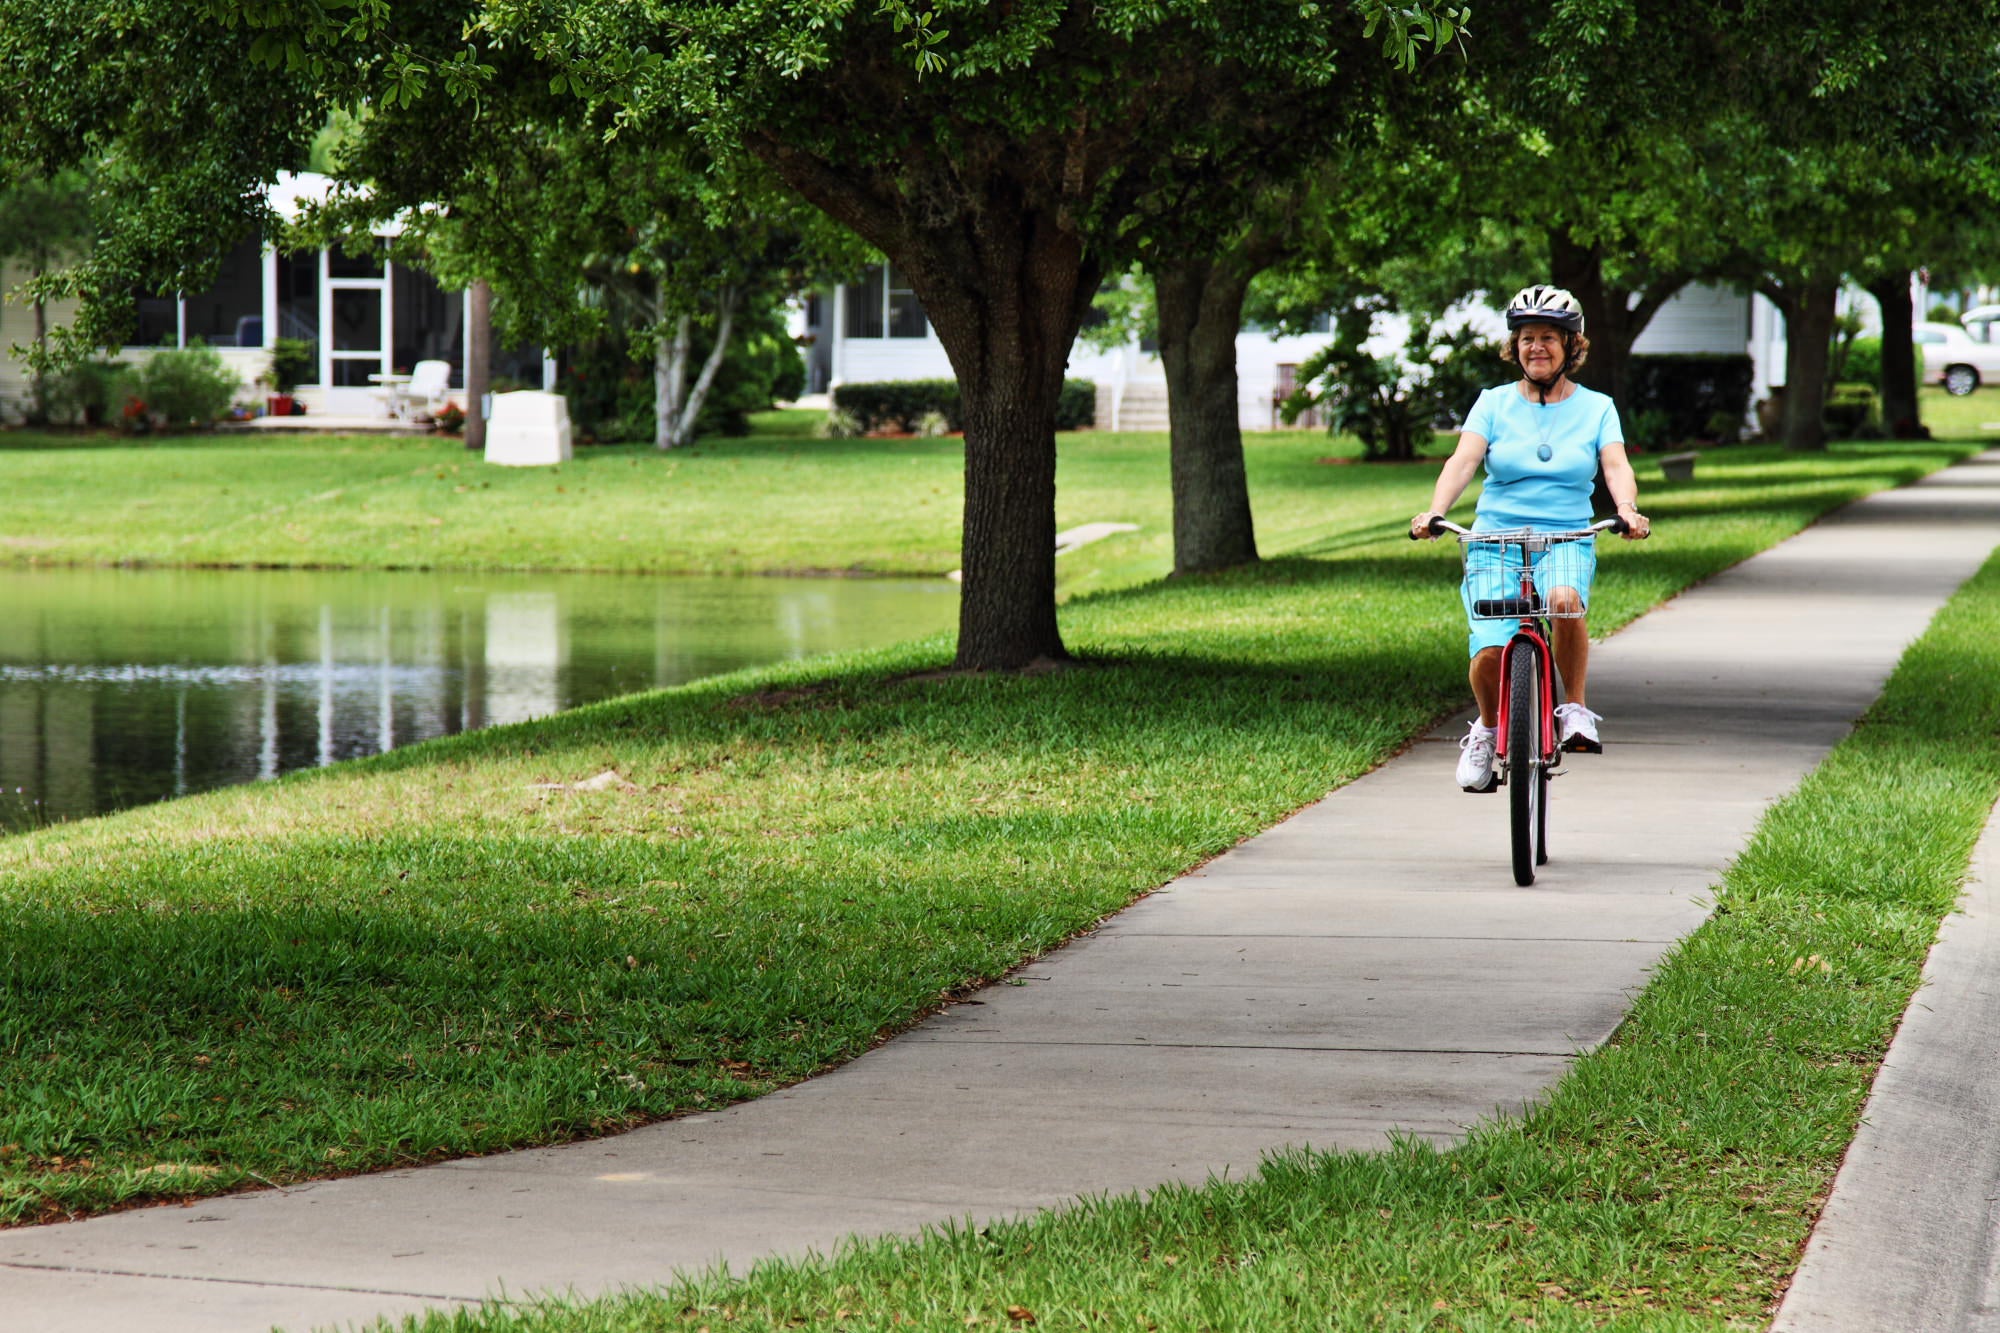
1578, 726
1475, 759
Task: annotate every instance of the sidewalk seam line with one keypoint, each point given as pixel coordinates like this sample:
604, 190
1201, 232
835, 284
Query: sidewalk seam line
243, 1282
1239, 1046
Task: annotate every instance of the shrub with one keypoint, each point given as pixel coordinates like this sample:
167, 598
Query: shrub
902, 405
1692, 390
837, 424
1392, 404
762, 367
186, 387
899, 404
788, 377
1076, 406
449, 419
176, 388
1648, 428
292, 360
1853, 412
1864, 362
84, 394
611, 393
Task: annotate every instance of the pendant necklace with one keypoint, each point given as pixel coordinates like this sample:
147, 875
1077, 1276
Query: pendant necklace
1545, 453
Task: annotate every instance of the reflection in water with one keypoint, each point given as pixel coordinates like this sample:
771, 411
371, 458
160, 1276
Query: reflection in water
121, 687
524, 655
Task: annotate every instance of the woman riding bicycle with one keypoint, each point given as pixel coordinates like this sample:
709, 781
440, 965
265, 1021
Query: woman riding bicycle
1543, 440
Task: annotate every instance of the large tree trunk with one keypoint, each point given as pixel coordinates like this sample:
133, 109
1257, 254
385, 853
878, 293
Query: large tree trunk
1613, 316
1010, 357
1579, 270
478, 363
1200, 311
1006, 301
1001, 270
1808, 308
1899, 366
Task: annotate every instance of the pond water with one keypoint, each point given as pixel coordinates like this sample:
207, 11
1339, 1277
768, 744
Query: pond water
119, 687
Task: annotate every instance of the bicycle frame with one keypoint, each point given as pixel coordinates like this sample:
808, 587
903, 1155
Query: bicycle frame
1532, 636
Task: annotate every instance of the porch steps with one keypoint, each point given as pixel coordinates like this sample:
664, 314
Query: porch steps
1140, 405
316, 424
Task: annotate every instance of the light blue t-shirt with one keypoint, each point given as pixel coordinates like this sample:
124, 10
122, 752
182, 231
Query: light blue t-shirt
1523, 490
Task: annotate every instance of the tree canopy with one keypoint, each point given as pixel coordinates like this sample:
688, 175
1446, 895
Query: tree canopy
1004, 157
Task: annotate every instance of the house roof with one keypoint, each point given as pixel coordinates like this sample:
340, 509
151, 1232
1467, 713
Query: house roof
294, 190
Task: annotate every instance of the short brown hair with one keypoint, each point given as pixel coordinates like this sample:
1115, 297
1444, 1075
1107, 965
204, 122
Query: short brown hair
1576, 349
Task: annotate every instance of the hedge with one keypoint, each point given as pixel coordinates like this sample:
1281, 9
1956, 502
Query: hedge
1691, 391
1852, 412
903, 404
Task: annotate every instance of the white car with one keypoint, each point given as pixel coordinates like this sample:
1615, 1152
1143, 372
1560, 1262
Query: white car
1954, 358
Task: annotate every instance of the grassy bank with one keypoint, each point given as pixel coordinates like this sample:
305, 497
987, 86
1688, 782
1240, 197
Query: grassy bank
478, 943
1667, 1184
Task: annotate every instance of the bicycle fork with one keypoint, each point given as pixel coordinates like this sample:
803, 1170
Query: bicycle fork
1548, 754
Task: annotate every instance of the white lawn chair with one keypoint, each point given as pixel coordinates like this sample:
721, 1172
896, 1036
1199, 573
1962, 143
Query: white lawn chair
429, 388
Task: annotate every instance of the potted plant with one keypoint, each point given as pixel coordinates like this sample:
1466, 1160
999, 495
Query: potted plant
291, 361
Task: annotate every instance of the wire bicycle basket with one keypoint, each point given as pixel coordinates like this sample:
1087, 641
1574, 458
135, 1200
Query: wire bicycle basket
1493, 563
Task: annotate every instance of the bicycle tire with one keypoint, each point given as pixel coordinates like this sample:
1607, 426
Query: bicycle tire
1526, 778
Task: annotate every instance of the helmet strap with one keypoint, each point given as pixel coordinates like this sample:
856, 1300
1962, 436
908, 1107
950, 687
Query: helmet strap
1542, 387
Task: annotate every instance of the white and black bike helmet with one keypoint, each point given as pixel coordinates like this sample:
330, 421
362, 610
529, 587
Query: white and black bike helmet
1543, 304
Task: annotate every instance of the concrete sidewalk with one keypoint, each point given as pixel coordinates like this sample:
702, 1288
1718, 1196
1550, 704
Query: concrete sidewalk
1366, 966
1910, 1238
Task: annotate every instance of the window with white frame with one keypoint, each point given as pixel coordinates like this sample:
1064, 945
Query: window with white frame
884, 305
229, 313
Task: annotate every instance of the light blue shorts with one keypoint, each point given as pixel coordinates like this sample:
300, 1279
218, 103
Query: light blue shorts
1495, 571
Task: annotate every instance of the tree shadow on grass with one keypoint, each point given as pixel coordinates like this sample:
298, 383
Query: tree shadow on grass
294, 1002
299, 1003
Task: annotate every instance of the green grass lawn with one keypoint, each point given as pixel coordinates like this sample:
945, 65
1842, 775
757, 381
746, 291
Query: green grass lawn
1668, 1183
431, 954
1975, 416
776, 500
437, 952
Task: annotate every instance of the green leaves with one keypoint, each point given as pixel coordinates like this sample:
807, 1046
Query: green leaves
1411, 28
924, 39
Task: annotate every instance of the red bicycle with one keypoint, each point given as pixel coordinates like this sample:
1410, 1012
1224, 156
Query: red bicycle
1506, 574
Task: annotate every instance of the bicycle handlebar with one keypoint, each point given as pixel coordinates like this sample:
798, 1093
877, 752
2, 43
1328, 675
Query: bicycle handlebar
1439, 526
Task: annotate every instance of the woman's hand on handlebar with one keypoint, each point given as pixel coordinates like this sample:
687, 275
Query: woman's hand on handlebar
1637, 526
1420, 526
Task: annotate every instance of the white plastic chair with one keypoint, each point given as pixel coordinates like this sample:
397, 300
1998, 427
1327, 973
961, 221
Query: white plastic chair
430, 386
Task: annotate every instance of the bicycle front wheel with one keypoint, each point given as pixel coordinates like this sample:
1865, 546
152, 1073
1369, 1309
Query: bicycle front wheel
1527, 779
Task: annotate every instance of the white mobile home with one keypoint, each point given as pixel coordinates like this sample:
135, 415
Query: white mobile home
875, 329
366, 317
